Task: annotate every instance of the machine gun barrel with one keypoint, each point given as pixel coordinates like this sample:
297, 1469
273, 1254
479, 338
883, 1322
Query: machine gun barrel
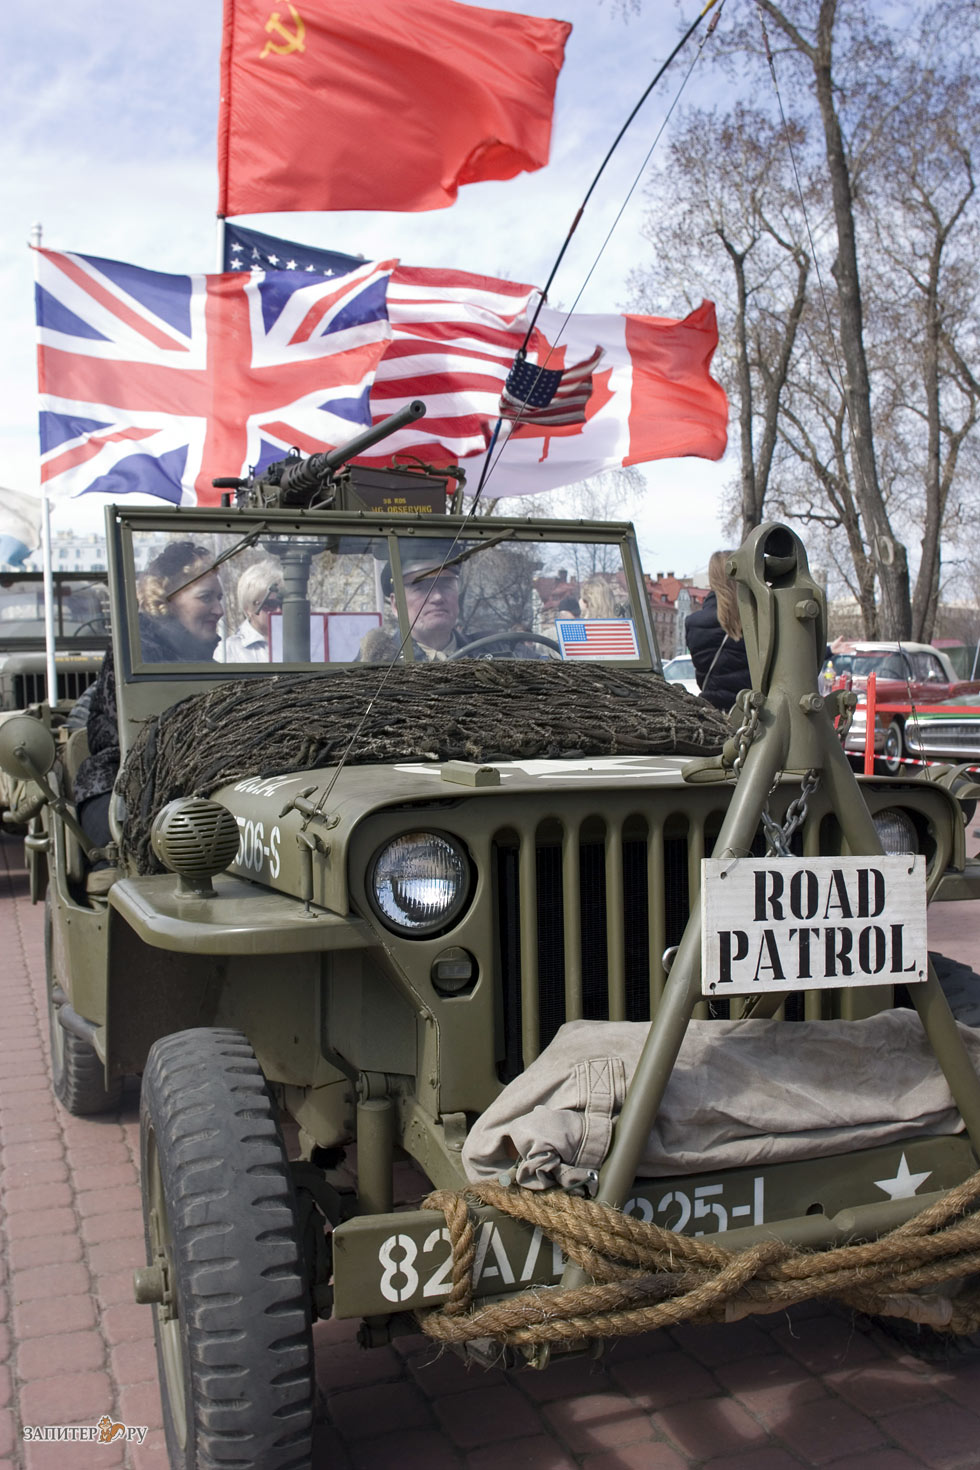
299, 481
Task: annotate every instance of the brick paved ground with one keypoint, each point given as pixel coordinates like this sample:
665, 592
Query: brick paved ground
806, 1389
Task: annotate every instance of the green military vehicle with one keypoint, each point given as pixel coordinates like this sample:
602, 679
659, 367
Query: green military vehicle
81, 636
81, 633
411, 836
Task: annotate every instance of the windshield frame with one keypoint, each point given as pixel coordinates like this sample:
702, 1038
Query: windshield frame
145, 689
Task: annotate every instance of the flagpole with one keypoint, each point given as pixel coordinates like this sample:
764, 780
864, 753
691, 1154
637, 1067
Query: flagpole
221, 243
50, 664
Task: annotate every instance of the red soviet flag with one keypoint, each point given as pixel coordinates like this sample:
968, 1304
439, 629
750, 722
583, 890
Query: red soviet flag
379, 104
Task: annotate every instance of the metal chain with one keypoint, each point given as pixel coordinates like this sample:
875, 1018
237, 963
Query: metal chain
744, 736
779, 837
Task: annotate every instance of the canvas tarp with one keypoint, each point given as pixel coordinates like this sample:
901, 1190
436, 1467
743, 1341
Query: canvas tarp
742, 1092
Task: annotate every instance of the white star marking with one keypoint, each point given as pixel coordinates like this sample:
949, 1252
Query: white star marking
905, 1184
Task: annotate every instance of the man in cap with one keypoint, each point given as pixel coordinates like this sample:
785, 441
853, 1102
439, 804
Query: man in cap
432, 602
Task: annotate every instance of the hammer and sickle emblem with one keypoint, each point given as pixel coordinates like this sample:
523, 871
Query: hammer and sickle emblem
293, 39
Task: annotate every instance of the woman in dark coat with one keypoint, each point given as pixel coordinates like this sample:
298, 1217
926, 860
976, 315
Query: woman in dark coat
714, 639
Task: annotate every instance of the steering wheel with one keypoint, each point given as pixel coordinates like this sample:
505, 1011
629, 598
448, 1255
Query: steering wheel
96, 625
493, 639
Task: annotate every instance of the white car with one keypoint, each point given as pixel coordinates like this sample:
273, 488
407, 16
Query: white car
680, 670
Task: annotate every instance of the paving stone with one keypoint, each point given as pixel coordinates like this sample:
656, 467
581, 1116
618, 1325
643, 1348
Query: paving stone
361, 1413
565, 1377
43, 1315
126, 1321
877, 1388
43, 1250
825, 1429
411, 1449
30, 1153
91, 1203
770, 1459
134, 1362
8, 1435
70, 1398
770, 1386
652, 1454
703, 1428
478, 1416
139, 1403
117, 1255
49, 1281
55, 1456
599, 1421
539, 1452
944, 1436
883, 1459
53, 1172
669, 1378
739, 1340
118, 1226
68, 1352
29, 1225
827, 1344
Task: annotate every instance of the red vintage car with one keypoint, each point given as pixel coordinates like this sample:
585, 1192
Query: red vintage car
910, 674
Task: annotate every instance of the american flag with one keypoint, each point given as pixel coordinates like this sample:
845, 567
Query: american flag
597, 638
157, 383
540, 395
251, 250
454, 339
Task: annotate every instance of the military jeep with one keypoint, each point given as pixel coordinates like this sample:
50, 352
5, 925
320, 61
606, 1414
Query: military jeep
358, 888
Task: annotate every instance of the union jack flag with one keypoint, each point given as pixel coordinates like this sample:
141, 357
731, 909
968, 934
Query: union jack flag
158, 383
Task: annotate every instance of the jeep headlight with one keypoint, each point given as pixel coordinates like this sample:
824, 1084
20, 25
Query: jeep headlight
896, 831
420, 882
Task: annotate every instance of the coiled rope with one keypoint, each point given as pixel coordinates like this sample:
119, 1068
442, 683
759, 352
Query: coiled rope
647, 1277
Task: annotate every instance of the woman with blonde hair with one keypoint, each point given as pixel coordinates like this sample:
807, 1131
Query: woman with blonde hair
259, 595
598, 600
714, 638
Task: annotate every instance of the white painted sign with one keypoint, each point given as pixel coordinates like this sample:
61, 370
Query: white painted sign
779, 924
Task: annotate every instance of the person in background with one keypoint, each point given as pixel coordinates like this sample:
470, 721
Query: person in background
598, 601
259, 595
180, 606
714, 639
569, 608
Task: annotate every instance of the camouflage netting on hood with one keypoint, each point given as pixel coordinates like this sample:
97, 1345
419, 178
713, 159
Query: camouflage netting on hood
474, 710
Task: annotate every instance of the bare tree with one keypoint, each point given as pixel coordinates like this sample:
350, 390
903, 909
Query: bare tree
727, 206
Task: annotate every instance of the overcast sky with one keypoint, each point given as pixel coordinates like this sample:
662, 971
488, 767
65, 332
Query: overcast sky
110, 144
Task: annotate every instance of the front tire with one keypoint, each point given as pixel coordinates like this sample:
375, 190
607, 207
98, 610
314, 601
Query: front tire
77, 1070
894, 751
233, 1332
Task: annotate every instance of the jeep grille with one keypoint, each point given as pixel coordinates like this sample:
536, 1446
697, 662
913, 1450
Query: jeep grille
32, 688
582, 955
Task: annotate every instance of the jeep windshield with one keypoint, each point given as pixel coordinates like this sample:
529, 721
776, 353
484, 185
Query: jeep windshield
80, 608
234, 595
